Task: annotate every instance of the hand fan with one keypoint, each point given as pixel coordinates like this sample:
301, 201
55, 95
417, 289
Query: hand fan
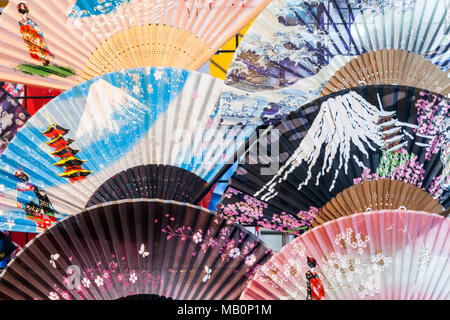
131, 247
150, 182
116, 122
60, 43
389, 255
389, 66
12, 117
325, 147
294, 47
377, 195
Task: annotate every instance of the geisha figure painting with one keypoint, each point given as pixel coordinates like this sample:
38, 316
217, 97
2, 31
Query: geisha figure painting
315, 289
33, 36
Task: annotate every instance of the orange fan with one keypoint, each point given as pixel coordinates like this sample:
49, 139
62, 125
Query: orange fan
389, 66
377, 195
60, 43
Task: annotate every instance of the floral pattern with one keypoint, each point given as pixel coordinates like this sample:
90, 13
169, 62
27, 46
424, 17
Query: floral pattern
12, 117
361, 257
251, 211
217, 248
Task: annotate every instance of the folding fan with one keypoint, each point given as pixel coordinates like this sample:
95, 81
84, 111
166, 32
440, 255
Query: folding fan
60, 43
133, 247
12, 117
294, 47
334, 142
91, 133
389, 255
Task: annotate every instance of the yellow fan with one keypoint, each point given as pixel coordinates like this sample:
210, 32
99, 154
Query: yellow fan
389, 66
59, 43
375, 195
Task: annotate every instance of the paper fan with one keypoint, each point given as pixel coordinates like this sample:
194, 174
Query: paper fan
150, 182
60, 43
132, 247
12, 117
294, 47
377, 195
116, 122
327, 146
389, 66
388, 255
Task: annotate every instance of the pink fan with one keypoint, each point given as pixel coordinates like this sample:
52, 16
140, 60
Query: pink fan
389, 255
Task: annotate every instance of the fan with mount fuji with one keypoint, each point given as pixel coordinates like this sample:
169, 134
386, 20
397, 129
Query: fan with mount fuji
61, 43
136, 247
294, 47
386, 255
329, 145
118, 122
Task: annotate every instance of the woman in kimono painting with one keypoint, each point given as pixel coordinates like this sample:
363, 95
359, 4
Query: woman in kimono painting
315, 290
33, 36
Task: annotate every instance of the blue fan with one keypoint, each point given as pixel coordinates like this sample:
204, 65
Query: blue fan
107, 125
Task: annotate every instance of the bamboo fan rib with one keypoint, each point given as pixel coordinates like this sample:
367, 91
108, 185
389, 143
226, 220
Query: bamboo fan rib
119, 121
294, 47
384, 255
389, 66
377, 195
141, 247
150, 182
60, 43
365, 133
112, 54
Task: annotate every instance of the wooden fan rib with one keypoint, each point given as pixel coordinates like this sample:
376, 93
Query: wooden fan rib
377, 195
389, 66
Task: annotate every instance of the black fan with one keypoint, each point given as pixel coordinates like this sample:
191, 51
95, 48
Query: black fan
151, 182
136, 247
365, 133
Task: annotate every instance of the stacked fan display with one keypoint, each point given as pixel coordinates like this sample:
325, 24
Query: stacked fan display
351, 150
134, 147
336, 112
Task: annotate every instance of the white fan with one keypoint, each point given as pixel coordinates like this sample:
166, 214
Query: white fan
294, 47
60, 43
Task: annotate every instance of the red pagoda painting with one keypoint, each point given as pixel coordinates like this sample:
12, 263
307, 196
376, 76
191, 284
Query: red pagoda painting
72, 165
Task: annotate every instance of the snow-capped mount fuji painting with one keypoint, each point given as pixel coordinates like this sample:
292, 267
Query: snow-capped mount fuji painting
331, 144
121, 120
107, 109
